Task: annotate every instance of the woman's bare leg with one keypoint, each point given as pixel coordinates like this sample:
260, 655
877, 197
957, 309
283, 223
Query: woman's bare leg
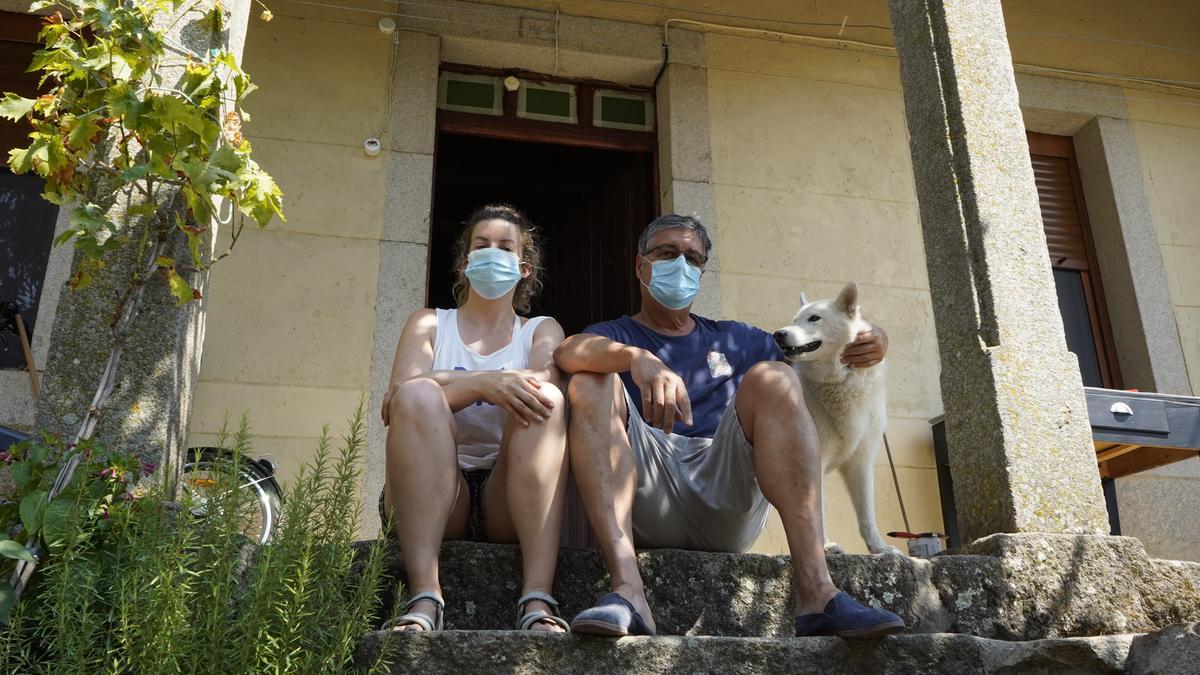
423, 487
526, 494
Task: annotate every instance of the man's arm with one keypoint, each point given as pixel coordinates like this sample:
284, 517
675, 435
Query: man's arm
590, 353
868, 349
664, 396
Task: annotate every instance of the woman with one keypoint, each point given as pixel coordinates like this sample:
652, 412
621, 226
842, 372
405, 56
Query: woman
476, 444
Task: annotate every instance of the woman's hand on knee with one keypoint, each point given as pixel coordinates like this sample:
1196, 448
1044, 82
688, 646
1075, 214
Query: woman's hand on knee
521, 395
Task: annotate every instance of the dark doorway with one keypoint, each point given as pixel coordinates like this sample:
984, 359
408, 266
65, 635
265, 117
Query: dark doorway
589, 204
26, 220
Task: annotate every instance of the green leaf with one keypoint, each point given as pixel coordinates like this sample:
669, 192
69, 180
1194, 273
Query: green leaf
12, 550
56, 524
15, 107
91, 218
180, 288
82, 130
123, 101
8, 598
32, 507
21, 472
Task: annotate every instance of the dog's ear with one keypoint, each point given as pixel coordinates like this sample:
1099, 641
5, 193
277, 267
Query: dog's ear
847, 300
803, 299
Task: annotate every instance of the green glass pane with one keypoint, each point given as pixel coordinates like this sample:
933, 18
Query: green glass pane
623, 110
471, 94
548, 102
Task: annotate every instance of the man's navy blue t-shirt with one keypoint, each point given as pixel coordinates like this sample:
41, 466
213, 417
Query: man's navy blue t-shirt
712, 360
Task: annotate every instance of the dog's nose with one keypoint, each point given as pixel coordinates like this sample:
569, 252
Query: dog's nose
780, 335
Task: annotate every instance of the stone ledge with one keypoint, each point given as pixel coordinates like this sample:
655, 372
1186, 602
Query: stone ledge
464, 652
1009, 587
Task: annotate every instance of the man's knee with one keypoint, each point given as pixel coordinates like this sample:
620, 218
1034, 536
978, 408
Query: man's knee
588, 391
418, 397
774, 377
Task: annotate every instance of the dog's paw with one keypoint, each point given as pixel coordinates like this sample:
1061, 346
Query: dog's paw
834, 549
884, 548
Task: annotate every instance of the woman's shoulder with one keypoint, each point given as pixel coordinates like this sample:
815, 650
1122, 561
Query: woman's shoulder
540, 324
423, 320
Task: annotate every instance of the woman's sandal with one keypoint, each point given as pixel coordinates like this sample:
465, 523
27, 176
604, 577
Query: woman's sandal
526, 621
417, 619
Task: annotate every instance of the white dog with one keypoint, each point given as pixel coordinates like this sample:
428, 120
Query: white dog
848, 405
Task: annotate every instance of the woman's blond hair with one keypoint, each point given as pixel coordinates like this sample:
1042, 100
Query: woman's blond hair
530, 251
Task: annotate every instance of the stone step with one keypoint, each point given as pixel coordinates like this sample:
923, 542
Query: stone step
468, 652
1008, 587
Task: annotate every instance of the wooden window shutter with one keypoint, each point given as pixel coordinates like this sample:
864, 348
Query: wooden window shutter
1069, 243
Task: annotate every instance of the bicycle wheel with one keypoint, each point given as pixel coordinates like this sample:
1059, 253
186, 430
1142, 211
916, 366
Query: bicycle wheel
202, 475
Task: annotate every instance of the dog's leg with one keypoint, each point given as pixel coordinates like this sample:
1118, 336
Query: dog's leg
830, 547
860, 481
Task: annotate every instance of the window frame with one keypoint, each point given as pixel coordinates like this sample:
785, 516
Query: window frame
1049, 145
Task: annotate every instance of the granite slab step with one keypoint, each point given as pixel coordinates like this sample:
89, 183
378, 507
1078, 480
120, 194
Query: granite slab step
1008, 587
469, 652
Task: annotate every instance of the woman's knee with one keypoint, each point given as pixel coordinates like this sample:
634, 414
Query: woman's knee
418, 398
554, 395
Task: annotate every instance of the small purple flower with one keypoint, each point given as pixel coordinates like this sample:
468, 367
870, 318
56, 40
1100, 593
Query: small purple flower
108, 472
5, 457
148, 468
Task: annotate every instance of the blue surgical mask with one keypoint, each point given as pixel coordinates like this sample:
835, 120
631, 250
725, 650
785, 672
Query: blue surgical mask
493, 271
674, 283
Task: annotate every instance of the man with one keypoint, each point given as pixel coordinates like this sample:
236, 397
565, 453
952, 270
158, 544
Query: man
723, 431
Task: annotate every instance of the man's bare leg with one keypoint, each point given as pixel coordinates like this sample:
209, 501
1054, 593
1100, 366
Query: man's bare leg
605, 475
525, 496
423, 487
787, 461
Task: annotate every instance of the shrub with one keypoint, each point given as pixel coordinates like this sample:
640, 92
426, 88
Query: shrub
137, 581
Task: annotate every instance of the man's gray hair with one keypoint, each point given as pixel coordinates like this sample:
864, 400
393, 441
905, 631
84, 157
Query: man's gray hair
672, 221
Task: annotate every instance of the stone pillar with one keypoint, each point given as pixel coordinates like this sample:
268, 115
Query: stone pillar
404, 243
151, 403
1016, 420
685, 151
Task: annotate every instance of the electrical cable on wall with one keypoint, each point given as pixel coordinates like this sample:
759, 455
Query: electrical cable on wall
1190, 87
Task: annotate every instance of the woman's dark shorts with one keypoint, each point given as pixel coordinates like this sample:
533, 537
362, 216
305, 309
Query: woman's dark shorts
476, 481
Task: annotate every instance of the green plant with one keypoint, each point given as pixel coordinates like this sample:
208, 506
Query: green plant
151, 585
125, 128
137, 135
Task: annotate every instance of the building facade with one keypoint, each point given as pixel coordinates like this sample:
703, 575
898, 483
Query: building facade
782, 128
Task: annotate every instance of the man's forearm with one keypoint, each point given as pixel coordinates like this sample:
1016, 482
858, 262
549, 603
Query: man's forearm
593, 354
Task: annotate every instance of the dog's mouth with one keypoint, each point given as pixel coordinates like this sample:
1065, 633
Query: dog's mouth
793, 352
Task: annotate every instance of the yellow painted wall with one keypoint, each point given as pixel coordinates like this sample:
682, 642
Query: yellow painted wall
814, 188
291, 313
1159, 506
1167, 131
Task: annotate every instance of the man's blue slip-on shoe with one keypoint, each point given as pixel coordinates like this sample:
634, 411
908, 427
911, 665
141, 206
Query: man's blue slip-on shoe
845, 617
613, 616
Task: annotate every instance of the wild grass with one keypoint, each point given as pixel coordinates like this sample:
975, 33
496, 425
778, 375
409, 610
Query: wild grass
173, 584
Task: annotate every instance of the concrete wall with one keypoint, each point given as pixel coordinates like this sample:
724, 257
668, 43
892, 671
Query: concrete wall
1160, 506
814, 188
292, 312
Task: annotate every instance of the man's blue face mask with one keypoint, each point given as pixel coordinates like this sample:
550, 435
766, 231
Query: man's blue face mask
492, 271
674, 283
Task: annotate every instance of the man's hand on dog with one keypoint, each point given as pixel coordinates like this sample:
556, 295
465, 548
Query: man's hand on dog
664, 396
868, 350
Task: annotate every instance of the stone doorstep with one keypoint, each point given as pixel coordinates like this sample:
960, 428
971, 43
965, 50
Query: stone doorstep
465, 652
1007, 587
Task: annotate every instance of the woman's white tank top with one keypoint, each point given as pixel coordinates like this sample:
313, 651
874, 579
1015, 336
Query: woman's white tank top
481, 424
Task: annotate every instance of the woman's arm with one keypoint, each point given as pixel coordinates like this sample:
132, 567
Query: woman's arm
513, 390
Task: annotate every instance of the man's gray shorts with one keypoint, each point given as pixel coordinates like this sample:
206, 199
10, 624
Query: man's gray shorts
695, 493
